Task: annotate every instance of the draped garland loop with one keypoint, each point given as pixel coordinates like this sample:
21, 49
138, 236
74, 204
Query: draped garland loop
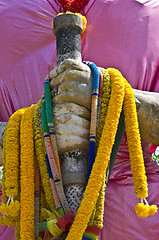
121, 95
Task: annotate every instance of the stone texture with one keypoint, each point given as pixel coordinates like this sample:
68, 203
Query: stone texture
68, 28
147, 104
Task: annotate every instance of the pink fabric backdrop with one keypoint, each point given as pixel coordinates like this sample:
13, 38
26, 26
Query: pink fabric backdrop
120, 33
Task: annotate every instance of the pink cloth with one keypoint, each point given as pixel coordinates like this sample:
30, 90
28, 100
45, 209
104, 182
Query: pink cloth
120, 33
120, 219
152, 148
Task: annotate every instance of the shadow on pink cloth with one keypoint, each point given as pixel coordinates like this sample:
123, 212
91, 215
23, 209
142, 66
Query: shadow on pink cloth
6, 233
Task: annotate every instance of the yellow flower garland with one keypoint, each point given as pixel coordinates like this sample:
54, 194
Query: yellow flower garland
136, 155
134, 143
103, 155
17, 229
12, 154
99, 208
27, 175
104, 104
10, 182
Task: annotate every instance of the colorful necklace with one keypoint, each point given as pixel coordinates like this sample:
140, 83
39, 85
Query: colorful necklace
73, 5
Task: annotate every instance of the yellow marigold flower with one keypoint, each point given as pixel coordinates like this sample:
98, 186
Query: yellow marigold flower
1, 220
142, 210
17, 229
152, 210
14, 208
8, 221
84, 20
12, 154
27, 175
97, 216
134, 143
11, 192
104, 103
4, 209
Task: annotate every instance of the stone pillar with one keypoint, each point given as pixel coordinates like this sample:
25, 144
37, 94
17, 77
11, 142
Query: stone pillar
68, 28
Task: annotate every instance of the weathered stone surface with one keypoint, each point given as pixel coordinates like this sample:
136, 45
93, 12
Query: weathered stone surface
74, 173
148, 115
72, 130
68, 28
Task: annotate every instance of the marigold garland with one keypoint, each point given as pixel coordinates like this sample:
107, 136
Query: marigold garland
104, 103
10, 206
27, 175
134, 143
12, 154
17, 229
145, 210
152, 210
97, 218
99, 209
8, 221
103, 154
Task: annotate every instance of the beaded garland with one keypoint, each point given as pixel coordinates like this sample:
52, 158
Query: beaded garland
46, 139
93, 115
40, 154
49, 133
